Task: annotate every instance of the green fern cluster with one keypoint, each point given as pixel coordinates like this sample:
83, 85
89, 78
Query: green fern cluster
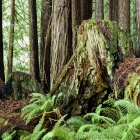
119, 120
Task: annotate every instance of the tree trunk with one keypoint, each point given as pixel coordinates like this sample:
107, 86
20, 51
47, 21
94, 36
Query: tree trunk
11, 39
1, 47
83, 9
34, 61
113, 10
86, 9
124, 14
45, 44
137, 48
99, 10
60, 38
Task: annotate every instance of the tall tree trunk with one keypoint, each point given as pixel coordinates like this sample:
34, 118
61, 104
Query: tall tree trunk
86, 9
34, 61
124, 14
137, 48
80, 11
113, 10
61, 37
76, 20
1, 46
99, 10
45, 44
11, 39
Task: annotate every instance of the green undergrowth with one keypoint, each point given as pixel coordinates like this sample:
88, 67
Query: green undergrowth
119, 120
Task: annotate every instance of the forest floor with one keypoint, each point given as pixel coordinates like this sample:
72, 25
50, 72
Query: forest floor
10, 110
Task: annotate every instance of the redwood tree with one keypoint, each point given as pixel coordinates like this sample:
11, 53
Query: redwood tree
99, 10
124, 14
60, 37
113, 10
33, 39
64, 20
45, 44
1, 46
137, 48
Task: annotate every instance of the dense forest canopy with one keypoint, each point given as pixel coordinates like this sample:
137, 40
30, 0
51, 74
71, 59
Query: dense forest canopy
65, 65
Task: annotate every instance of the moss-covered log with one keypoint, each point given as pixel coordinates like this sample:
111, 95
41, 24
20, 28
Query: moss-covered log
88, 78
19, 84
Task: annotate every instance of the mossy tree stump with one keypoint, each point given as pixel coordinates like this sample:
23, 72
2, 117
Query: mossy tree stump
88, 78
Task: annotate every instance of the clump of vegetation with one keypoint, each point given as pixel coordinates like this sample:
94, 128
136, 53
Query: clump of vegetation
118, 120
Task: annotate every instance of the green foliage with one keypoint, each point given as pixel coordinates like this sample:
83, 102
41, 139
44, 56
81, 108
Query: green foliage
133, 88
8, 135
39, 104
117, 120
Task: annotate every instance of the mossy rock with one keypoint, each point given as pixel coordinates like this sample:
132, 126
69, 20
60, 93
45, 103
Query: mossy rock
20, 84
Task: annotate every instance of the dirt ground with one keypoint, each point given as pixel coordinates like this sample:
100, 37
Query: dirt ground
10, 110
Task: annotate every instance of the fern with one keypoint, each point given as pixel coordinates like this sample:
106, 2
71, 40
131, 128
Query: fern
62, 133
38, 98
132, 128
8, 135
117, 120
76, 122
38, 104
56, 128
35, 136
32, 114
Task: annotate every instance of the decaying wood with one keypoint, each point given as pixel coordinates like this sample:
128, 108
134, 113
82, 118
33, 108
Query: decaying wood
91, 80
63, 73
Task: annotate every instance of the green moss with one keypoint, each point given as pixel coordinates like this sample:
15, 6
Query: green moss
132, 90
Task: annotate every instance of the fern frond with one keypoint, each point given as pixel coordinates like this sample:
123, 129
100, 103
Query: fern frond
8, 135
96, 118
87, 127
40, 124
94, 135
132, 128
62, 133
111, 113
38, 98
32, 114
48, 136
128, 105
28, 108
109, 102
48, 105
76, 122
22, 134
59, 121
98, 109
35, 136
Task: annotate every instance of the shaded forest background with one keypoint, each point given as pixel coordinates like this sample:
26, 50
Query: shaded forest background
21, 21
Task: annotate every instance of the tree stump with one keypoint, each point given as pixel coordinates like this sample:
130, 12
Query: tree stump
88, 78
